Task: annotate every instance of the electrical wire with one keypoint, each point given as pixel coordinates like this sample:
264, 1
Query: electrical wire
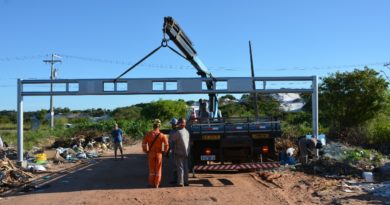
185, 67
23, 58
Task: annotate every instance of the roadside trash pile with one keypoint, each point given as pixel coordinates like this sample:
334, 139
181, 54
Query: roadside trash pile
359, 170
357, 158
44, 161
339, 161
40, 161
376, 189
10, 175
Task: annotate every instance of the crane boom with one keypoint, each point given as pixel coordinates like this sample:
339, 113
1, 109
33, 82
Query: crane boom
177, 35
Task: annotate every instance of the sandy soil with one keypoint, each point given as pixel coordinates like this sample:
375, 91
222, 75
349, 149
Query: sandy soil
107, 181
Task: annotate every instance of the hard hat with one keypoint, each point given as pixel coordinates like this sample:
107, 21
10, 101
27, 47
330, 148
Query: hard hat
173, 121
156, 122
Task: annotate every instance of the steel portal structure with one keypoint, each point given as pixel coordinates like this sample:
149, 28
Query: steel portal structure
140, 86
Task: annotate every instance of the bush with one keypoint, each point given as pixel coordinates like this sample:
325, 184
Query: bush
299, 124
363, 156
378, 133
134, 128
164, 110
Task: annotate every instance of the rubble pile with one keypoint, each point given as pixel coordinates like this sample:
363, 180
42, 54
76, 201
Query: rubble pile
376, 189
44, 161
10, 175
334, 151
339, 160
331, 168
282, 144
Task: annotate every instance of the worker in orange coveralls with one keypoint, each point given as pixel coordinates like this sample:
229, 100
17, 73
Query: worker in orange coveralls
155, 144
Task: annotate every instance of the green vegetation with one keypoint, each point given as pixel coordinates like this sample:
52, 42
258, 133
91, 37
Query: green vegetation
350, 99
129, 119
378, 129
132, 112
164, 110
363, 156
355, 107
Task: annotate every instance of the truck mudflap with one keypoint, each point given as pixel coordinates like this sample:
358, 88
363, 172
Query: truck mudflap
243, 166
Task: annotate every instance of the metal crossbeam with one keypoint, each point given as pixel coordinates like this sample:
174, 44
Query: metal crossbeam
138, 86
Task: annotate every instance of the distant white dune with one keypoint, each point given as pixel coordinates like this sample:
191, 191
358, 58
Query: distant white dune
290, 102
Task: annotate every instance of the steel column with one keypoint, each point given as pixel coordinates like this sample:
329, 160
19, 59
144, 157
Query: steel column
20, 121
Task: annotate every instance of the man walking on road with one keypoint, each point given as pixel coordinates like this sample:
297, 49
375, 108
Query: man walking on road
117, 135
181, 140
155, 144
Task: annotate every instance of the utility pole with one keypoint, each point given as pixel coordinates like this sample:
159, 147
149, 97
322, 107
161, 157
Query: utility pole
52, 61
253, 81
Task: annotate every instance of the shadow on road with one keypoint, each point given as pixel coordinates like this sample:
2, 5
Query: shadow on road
106, 173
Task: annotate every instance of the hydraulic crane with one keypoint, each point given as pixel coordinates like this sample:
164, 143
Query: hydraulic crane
188, 52
181, 40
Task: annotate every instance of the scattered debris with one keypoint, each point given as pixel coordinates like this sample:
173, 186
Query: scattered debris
11, 176
376, 189
270, 177
42, 161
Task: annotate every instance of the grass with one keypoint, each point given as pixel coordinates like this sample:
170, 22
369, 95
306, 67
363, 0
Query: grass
44, 136
359, 155
34, 138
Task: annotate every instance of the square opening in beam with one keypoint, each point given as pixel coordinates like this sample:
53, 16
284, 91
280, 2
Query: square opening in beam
204, 85
289, 85
158, 86
260, 85
59, 87
121, 86
43, 87
171, 85
108, 86
221, 85
73, 87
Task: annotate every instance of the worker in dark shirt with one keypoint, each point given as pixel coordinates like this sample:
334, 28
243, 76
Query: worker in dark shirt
117, 136
308, 148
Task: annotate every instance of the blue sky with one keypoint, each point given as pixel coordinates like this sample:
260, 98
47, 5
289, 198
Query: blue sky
289, 38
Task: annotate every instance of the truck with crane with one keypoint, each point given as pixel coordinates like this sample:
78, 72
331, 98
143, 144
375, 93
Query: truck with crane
229, 142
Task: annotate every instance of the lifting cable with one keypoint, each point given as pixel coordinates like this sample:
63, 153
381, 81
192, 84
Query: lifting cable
164, 43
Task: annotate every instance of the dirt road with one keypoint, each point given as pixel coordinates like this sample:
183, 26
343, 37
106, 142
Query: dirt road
124, 182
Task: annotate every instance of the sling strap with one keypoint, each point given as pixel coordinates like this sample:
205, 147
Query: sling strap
151, 145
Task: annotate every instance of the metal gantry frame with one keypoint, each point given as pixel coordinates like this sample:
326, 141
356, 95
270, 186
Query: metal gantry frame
140, 86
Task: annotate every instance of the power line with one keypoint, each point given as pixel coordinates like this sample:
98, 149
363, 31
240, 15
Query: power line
22, 58
187, 67
220, 68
